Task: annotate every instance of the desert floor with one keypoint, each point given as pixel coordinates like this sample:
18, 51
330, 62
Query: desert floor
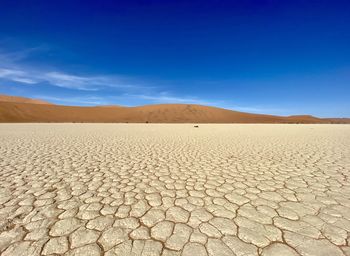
158, 189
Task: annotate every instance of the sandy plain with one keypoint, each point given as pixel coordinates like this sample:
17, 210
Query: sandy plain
162, 189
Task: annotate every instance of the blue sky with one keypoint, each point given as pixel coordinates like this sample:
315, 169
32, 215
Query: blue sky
275, 57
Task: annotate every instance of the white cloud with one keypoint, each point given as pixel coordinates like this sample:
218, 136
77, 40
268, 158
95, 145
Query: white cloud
82, 100
13, 68
65, 80
19, 55
165, 97
257, 109
16, 75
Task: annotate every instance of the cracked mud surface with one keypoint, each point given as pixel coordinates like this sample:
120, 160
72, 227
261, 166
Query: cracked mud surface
125, 189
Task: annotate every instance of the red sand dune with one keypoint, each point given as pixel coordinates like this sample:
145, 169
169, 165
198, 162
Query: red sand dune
6, 98
19, 109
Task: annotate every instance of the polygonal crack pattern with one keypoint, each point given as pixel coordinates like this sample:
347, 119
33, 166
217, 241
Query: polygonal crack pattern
137, 189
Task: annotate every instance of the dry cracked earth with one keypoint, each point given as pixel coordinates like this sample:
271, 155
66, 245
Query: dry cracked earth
137, 189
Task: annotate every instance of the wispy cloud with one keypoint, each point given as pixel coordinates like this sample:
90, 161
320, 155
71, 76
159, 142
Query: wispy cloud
19, 55
16, 75
13, 68
258, 109
168, 98
65, 80
81, 100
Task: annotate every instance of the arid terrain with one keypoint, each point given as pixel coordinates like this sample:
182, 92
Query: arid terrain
8, 98
172, 189
24, 110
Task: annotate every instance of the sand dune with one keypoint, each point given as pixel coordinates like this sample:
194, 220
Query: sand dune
7, 98
28, 110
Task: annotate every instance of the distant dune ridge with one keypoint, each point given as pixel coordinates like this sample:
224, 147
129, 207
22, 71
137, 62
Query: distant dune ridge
20, 109
7, 98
